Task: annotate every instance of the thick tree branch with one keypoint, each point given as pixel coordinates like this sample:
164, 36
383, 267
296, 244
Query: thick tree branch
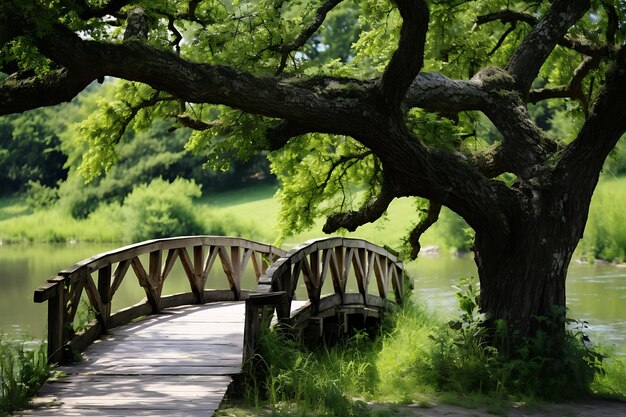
431, 215
524, 145
540, 94
436, 92
314, 107
527, 60
578, 44
370, 212
408, 58
58, 86
303, 37
586, 47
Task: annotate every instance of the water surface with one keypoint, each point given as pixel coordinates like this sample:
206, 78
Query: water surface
595, 293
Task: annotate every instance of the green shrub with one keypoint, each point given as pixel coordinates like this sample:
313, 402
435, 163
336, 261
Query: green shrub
162, 209
467, 357
41, 196
23, 368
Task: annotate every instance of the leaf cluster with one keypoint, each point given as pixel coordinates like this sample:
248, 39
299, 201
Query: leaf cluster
320, 174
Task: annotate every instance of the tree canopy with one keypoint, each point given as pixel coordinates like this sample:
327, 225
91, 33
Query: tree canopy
430, 99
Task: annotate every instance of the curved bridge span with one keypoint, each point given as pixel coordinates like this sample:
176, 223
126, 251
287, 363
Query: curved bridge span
148, 354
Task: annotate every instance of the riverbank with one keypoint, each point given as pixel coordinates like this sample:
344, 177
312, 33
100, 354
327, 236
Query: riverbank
254, 213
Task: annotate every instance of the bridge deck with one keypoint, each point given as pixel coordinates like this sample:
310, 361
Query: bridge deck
177, 363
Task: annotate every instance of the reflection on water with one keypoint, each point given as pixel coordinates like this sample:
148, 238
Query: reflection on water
595, 293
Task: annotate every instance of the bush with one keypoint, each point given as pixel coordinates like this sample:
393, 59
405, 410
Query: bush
23, 368
467, 357
40, 196
162, 209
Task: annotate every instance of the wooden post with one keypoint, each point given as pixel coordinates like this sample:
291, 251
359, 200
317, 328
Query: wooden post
54, 293
155, 280
251, 330
254, 303
198, 269
104, 289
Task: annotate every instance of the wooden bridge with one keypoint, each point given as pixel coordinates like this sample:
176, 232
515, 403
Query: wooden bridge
175, 355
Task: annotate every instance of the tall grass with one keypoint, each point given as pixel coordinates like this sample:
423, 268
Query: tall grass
23, 368
56, 226
418, 357
605, 234
323, 381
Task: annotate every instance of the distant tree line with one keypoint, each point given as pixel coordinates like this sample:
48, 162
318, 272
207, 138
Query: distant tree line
41, 151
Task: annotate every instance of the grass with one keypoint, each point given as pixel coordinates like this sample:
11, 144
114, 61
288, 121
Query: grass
250, 212
258, 209
378, 377
417, 359
23, 368
605, 234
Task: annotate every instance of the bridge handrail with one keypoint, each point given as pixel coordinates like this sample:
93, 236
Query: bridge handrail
315, 258
63, 292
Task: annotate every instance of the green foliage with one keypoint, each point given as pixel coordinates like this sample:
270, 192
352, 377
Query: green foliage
454, 231
161, 209
40, 196
55, 225
554, 363
321, 174
616, 163
104, 129
611, 383
237, 135
417, 356
321, 381
85, 315
30, 150
23, 368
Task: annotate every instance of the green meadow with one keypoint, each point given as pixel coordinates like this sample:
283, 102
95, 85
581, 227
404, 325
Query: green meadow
251, 213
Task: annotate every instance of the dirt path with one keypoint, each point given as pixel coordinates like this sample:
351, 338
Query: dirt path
590, 409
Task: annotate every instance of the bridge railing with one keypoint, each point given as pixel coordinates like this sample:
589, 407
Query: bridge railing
100, 276
379, 274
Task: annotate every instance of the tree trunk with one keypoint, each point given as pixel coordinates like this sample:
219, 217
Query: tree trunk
522, 275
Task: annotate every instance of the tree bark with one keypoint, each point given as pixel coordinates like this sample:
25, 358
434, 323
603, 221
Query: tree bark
523, 274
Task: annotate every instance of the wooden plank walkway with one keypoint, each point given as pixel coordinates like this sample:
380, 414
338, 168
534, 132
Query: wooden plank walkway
177, 363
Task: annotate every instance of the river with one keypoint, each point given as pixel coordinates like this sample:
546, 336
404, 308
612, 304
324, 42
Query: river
595, 293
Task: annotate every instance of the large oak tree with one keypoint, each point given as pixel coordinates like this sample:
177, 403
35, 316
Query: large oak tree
389, 110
